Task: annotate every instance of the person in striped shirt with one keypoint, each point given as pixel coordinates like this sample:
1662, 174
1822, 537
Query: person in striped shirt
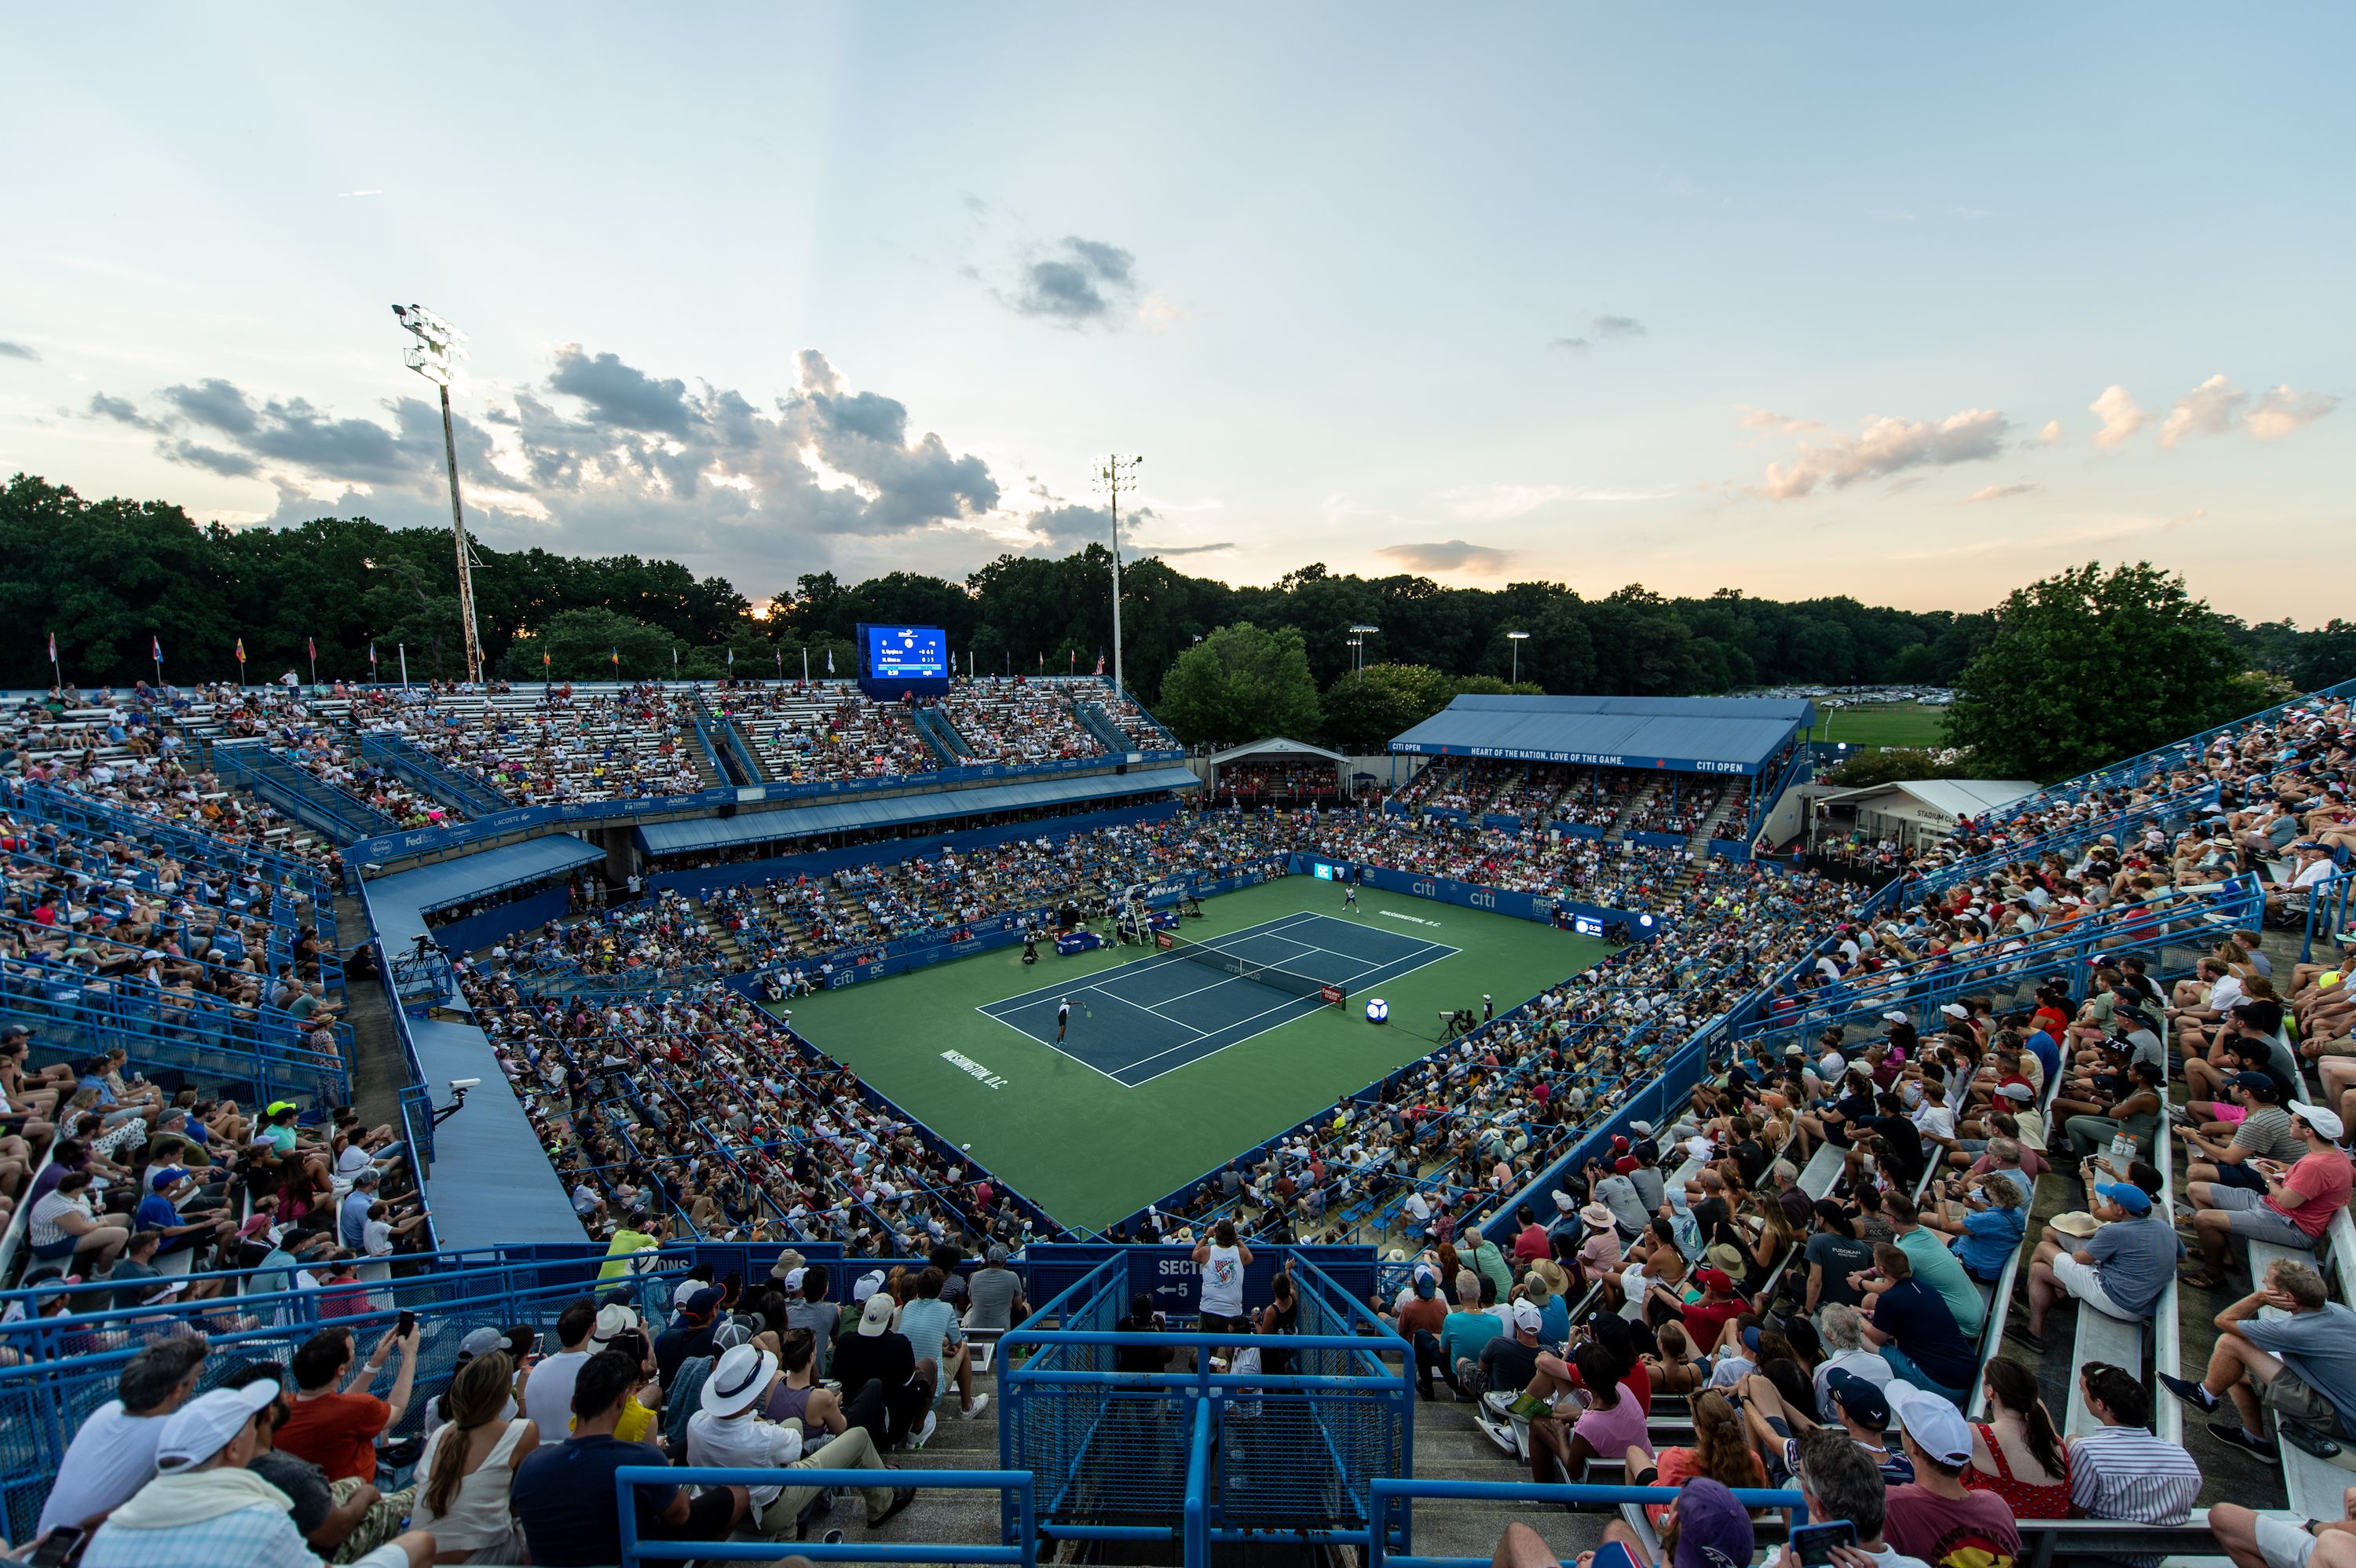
2122, 1470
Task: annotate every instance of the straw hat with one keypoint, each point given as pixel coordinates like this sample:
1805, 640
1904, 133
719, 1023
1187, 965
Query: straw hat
2076, 1222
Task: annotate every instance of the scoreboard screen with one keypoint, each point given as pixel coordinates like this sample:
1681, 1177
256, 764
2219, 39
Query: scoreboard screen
907, 652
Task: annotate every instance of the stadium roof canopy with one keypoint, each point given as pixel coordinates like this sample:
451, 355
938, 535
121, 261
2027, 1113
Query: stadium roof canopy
1951, 798
1275, 746
1688, 734
931, 806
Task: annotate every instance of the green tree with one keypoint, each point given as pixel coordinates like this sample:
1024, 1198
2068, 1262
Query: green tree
2086, 668
1240, 683
580, 646
1366, 708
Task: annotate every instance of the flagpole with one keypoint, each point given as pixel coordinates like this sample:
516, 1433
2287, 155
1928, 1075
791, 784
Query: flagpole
404, 665
313, 644
805, 664
57, 675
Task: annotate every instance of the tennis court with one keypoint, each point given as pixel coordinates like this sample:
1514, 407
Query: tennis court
1159, 1013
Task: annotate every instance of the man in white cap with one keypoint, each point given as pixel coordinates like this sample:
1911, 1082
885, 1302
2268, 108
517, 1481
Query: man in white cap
1935, 1517
2294, 1211
204, 1506
728, 1431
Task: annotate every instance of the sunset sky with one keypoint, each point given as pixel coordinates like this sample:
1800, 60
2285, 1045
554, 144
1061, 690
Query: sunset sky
1913, 305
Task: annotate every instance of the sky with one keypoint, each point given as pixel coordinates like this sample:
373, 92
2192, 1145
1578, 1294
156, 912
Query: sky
1908, 303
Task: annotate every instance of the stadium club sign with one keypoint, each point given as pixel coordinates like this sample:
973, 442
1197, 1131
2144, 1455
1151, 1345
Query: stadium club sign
1584, 759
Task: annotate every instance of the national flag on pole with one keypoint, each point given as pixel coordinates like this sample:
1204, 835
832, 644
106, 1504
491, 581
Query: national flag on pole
371, 654
1072, 658
732, 659
53, 648
544, 658
1100, 661
241, 650
830, 661
155, 649
617, 656
312, 645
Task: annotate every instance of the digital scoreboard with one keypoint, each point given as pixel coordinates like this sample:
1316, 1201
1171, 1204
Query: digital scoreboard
907, 652
903, 661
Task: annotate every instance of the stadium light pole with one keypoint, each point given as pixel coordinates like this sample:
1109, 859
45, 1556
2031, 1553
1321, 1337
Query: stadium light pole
1117, 474
1518, 639
436, 353
1358, 636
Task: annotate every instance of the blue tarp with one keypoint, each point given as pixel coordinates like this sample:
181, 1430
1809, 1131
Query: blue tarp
1690, 734
471, 876
850, 816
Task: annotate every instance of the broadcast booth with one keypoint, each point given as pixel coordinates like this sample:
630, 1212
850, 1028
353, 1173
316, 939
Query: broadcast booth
898, 662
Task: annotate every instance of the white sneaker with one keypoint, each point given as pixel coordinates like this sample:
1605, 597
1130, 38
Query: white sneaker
981, 1403
924, 1434
1499, 1400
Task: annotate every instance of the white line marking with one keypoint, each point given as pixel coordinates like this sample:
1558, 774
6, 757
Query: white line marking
1207, 1056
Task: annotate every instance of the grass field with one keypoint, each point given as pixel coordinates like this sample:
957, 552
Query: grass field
1089, 1149
1887, 724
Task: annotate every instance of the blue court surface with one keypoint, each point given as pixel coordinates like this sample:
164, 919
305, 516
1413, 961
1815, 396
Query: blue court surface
1158, 1013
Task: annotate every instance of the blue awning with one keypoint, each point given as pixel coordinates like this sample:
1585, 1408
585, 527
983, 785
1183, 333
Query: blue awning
487, 872
852, 816
1692, 734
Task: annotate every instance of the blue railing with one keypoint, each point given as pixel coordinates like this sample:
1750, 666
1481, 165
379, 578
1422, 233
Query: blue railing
177, 1035
2169, 811
1018, 1527
2332, 910
460, 791
1392, 1496
312, 802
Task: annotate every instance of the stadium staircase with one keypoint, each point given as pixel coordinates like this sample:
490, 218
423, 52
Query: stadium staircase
470, 797
344, 818
1630, 808
1718, 816
941, 736
715, 926
1108, 733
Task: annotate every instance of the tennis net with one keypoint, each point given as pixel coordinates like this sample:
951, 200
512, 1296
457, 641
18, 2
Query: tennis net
1273, 977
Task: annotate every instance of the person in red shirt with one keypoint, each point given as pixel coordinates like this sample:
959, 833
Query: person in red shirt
337, 1430
1706, 1320
2296, 1205
1531, 1245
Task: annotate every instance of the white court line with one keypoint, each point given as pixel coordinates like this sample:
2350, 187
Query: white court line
1419, 963
1051, 1045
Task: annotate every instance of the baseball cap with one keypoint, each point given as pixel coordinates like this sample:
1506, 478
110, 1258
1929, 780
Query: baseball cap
1714, 1279
2132, 1199
210, 1422
2021, 1092
1937, 1427
1713, 1530
1866, 1404
1895, 1016
1526, 1318
869, 1284
482, 1342
170, 1174
706, 1300
876, 1315
2326, 1121
2253, 1083
1956, 1010
684, 1291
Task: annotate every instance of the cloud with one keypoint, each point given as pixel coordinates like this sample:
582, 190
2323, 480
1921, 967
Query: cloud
121, 411
1077, 283
1885, 446
1146, 550
1450, 555
601, 458
2000, 492
1767, 419
2209, 408
2177, 521
619, 395
351, 193
2120, 416
1602, 329
18, 351
2050, 433
1495, 503
2282, 411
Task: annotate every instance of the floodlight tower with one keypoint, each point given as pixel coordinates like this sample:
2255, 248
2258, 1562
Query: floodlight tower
1118, 474
1518, 639
1358, 636
437, 351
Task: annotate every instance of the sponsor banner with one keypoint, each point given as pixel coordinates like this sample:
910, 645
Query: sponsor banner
1585, 759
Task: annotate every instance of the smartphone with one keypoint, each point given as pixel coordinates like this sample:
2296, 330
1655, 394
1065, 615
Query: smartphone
56, 1547
1813, 1544
408, 1323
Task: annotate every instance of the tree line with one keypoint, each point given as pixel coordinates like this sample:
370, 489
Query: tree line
107, 576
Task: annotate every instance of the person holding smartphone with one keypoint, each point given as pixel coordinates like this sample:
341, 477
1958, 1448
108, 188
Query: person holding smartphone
1843, 1487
